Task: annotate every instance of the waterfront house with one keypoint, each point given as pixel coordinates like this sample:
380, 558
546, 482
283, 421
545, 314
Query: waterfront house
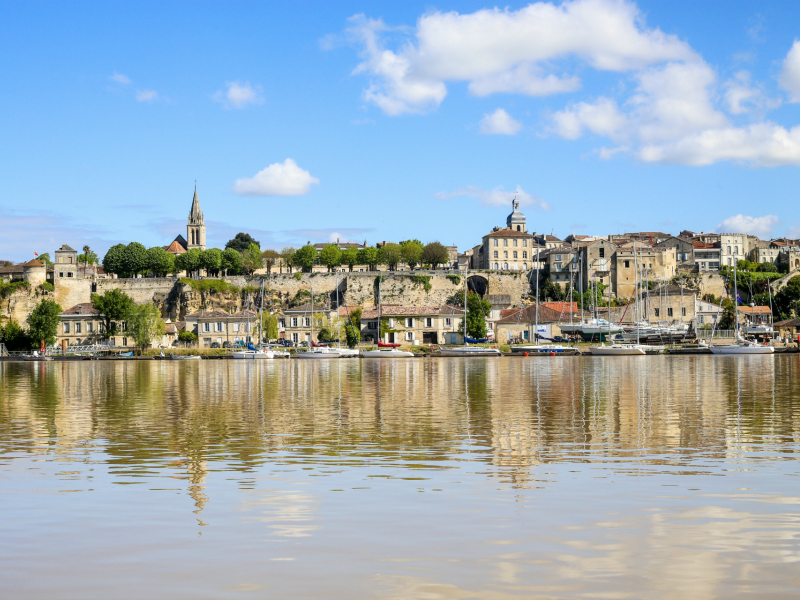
219, 326
413, 324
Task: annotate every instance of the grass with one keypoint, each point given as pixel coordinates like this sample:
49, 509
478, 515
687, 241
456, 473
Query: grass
6, 289
210, 285
423, 280
187, 351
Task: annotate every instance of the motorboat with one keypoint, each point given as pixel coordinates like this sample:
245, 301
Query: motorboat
758, 330
319, 353
742, 349
545, 350
387, 353
619, 350
253, 353
184, 357
470, 351
597, 327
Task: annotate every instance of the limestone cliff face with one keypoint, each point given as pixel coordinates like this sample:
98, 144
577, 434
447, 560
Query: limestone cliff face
175, 299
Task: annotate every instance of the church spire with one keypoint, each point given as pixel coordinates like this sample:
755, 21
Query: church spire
195, 215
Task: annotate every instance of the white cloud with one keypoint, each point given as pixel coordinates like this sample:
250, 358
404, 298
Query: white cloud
278, 179
758, 226
498, 197
789, 78
602, 118
742, 96
146, 95
120, 79
506, 51
239, 95
499, 123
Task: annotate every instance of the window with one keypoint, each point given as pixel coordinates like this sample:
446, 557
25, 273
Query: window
409, 321
505, 266
66, 327
669, 311
601, 280
295, 337
77, 327
372, 325
524, 243
248, 327
124, 341
220, 326
627, 264
282, 323
206, 341
60, 274
448, 322
736, 249
505, 243
235, 327
683, 311
656, 310
524, 254
505, 254
729, 249
206, 326
89, 327
496, 254
525, 266
515, 243
306, 321
294, 321
558, 257
409, 336
496, 266
526, 335
558, 266
496, 243
602, 252
515, 254
428, 322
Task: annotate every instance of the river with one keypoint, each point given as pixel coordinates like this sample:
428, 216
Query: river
487, 478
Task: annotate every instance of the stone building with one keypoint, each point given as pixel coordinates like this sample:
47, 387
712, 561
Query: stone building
65, 262
706, 256
413, 324
519, 326
654, 264
733, 246
597, 263
218, 326
764, 254
562, 264
684, 249
34, 272
508, 249
668, 304
196, 228
789, 258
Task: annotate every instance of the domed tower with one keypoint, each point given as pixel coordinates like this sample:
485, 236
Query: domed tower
516, 220
196, 229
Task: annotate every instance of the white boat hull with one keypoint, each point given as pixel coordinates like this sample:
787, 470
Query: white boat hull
619, 350
545, 350
470, 351
250, 355
742, 349
318, 354
388, 353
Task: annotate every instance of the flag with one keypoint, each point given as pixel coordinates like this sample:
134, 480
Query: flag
35, 254
738, 298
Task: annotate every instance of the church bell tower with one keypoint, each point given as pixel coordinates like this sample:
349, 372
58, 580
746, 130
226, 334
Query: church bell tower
196, 229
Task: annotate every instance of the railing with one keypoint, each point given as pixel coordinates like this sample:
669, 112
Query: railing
706, 334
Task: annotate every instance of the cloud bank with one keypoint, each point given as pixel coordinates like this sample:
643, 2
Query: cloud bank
278, 179
758, 226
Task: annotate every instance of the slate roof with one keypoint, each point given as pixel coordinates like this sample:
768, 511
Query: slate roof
66, 248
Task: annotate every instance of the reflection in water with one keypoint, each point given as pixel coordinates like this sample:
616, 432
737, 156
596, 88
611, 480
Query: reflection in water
447, 478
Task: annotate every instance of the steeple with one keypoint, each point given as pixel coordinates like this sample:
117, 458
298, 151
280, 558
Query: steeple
195, 228
195, 215
516, 220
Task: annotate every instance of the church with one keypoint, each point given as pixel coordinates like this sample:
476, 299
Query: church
195, 231
509, 249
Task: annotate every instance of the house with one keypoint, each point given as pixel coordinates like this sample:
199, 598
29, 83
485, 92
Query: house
11, 272
597, 263
668, 303
548, 241
706, 256
789, 258
654, 264
706, 313
66, 262
765, 254
562, 264
519, 325
508, 249
754, 315
413, 324
84, 325
733, 246
295, 323
684, 249
218, 326
788, 329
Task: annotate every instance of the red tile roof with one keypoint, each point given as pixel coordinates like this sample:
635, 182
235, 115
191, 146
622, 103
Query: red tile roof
508, 233
411, 311
84, 308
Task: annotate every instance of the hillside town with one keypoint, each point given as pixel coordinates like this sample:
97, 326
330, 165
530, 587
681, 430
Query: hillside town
404, 292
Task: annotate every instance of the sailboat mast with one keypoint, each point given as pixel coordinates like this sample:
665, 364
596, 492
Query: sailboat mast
735, 301
465, 304
635, 288
338, 324
536, 329
311, 287
380, 314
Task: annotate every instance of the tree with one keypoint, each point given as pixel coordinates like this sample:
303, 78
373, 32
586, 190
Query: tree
113, 261
14, 337
767, 267
43, 322
187, 337
270, 259
305, 257
391, 254
211, 261
251, 259
45, 258
134, 259
477, 311
352, 335
159, 261
350, 257
287, 258
114, 306
190, 261
727, 319
324, 334
88, 257
434, 254
145, 324
369, 256
231, 261
269, 326
242, 242
355, 318
788, 299
330, 256
411, 251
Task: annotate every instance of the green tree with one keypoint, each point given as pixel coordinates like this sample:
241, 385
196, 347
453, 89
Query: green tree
369, 256
324, 334
159, 261
330, 256
352, 335
45, 258
14, 337
134, 259
114, 306
477, 311
411, 251
187, 337
242, 242
391, 254
211, 261
767, 267
269, 327
251, 259
231, 261
287, 258
88, 257
350, 258
728, 316
305, 257
435, 254
43, 323
270, 258
114, 261
190, 261
787, 300
144, 324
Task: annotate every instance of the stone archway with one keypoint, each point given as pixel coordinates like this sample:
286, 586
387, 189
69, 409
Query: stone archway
478, 284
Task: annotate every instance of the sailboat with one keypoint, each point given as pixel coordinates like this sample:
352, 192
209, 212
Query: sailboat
251, 352
317, 352
467, 350
536, 349
742, 346
385, 350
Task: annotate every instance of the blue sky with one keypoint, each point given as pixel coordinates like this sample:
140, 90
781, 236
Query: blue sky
305, 121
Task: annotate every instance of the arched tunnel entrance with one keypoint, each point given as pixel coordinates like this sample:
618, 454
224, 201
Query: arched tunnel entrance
478, 284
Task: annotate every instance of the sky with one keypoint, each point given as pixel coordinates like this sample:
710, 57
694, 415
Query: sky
316, 121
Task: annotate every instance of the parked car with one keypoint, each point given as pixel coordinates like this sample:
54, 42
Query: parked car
226, 345
285, 342
215, 344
